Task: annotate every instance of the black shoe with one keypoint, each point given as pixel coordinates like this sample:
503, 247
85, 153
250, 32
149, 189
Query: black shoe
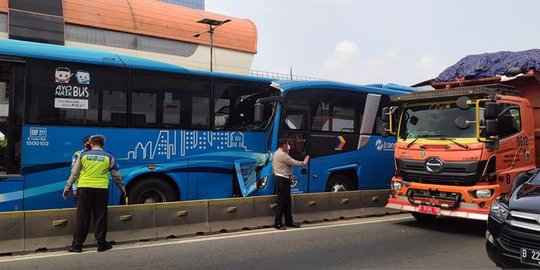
294, 225
74, 249
104, 247
280, 227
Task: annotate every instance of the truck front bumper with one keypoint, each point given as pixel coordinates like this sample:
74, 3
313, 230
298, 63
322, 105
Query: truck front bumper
466, 210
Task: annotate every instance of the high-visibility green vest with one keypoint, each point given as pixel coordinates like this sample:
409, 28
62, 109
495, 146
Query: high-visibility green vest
96, 166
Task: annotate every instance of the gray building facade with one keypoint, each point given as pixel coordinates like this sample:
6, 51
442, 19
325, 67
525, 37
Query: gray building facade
196, 4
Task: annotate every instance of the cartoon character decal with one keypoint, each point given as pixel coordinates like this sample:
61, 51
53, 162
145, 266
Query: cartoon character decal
62, 75
83, 77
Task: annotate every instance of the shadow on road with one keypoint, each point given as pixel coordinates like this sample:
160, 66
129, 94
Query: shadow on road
450, 225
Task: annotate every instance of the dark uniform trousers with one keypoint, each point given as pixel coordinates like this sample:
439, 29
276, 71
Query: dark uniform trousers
91, 201
283, 190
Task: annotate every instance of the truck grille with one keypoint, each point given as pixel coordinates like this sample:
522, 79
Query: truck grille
433, 197
454, 173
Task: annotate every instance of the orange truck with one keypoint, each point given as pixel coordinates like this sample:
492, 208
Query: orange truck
463, 144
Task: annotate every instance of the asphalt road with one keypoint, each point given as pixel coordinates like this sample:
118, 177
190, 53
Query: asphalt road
396, 241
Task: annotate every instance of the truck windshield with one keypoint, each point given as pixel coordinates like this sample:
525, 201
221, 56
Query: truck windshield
435, 120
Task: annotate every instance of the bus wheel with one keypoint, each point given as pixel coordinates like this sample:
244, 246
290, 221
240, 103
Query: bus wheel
340, 182
151, 190
421, 217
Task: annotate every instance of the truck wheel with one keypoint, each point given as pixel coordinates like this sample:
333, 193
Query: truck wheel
421, 217
151, 190
340, 182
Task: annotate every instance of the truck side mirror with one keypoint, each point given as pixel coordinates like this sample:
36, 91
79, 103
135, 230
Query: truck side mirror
493, 144
258, 113
463, 103
492, 127
491, 110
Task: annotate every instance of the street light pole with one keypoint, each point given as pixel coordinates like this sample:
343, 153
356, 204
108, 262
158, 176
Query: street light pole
211, 31
212, 25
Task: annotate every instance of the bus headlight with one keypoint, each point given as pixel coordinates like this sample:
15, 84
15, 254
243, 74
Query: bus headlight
263, 182
498, 211
396, 185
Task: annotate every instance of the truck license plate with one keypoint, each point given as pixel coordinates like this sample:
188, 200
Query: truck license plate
530, 256
433, 210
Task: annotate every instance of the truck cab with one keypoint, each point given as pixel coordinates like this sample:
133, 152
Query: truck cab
461, 146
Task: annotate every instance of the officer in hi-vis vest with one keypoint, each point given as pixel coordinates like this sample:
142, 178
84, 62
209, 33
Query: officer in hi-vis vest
86, 146
92, 170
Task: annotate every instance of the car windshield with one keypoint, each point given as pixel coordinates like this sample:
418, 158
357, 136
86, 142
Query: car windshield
435, 120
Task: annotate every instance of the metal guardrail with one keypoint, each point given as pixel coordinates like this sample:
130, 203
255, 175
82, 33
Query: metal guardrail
31, 231
281, 76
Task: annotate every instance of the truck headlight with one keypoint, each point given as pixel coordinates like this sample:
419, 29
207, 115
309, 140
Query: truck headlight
498, 211
396, 185
482, 193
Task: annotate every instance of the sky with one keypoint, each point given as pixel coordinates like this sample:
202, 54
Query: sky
381, 41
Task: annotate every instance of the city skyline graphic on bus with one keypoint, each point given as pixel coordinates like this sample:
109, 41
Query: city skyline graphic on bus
170, 143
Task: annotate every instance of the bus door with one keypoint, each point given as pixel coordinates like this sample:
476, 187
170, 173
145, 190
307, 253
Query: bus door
294, 126
11, 108
12, 76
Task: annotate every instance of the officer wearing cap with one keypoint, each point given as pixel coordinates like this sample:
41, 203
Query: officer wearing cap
92, 170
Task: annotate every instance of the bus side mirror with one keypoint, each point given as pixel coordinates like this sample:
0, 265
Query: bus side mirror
258, 113
384, 115
386, 127
492, 127
491, 111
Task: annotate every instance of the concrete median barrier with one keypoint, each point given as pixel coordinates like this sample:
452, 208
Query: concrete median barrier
49, 229
345, 205
231, 214
311, 207
181, 218
11, 232
52, 229
373, 202
265, 210
131, 223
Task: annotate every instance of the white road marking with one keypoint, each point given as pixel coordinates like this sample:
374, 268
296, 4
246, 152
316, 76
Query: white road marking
161, 243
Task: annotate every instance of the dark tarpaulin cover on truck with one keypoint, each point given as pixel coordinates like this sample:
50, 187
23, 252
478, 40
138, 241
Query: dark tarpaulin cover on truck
492, 64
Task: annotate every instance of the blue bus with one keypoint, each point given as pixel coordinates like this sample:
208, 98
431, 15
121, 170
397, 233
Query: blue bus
178, 134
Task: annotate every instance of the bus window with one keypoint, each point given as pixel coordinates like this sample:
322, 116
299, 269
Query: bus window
168, 100
321, 121
200, 114
76, 94
234, 103
336, 111
295, 120
343, 119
